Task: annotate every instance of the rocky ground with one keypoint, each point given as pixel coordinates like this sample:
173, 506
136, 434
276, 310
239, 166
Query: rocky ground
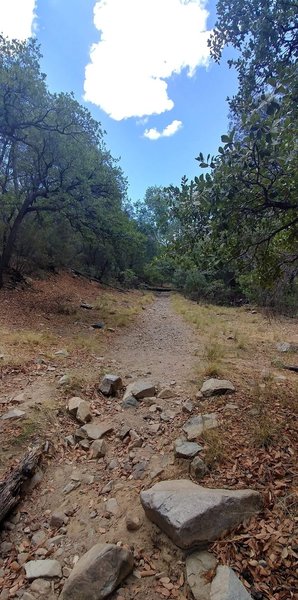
103, 478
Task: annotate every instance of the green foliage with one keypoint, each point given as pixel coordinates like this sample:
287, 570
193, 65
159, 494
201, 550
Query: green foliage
63, 196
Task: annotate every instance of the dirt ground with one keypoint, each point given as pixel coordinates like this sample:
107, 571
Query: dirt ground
45, 334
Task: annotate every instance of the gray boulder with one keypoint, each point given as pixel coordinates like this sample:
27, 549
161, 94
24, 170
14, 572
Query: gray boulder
98, 573
140, 389
197, 565
192, 515
227, 586
110, 385
195, 426
216, 387
80, 409
185, 449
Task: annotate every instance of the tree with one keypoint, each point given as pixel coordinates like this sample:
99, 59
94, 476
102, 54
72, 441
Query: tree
52, 155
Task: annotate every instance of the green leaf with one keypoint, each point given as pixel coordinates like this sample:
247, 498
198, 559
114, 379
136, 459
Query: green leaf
225, 139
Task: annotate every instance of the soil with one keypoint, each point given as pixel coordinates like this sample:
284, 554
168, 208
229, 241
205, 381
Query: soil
157, 345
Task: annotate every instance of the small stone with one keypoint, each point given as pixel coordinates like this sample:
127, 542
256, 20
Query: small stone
197, 565
41, 587
15, 413
124, 431
42, 568
166, 393
38, 538
154, 428
62, 353
84, 412
195, 426
184, 449
72, 485
64, 380
187, 406
130, 402
86, 306
99, 448
26, 596
22, 557
133, 522
6, 547
197, 468
110, 385
58, 519
113, 464
286, 347
112, 506
139, 470
70, 441
84, 444
95, 432
140, 389
227, 586
213, 387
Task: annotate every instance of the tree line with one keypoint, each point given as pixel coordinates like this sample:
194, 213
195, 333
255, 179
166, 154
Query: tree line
236, 223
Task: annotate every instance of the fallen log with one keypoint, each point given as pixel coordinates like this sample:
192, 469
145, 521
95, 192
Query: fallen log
291, 368
11, 487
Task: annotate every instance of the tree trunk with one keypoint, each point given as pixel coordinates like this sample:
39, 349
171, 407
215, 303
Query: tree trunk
12, 486
11, 238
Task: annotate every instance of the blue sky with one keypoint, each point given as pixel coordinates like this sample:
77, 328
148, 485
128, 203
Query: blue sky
149, 81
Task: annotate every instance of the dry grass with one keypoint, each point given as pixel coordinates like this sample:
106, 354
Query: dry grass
214, 447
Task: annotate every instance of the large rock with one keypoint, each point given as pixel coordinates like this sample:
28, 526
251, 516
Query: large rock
94, 432
110, 385
15, 413
42, 568
195, 426
192, 515
227, 586
216, 387
98, 573
197, 565
140, 389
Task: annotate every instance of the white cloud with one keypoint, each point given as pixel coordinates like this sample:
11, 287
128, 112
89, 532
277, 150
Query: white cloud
154, 134
17, 18
142, 44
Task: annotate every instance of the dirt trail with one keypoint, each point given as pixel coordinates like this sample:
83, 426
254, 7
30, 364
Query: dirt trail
159, 344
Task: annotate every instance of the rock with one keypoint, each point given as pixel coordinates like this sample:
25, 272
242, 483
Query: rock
84, 414
133, 522
286, 347
192, 515
140, 389
95, 432
112, 506
62, 353
39, 537
227, 586
110, 385
197, 468
64, 380
98, 573
41, 587
139, 470
86, 306
187, 406
124, 431
84, 444
42, 568
195, 426
58, 519
197, 565
185, 449
214, 387
168, 415
98, 325
15, 413
27, 596
6, 547
130, 402
99, 448
166, 393
72, 485
69, 440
